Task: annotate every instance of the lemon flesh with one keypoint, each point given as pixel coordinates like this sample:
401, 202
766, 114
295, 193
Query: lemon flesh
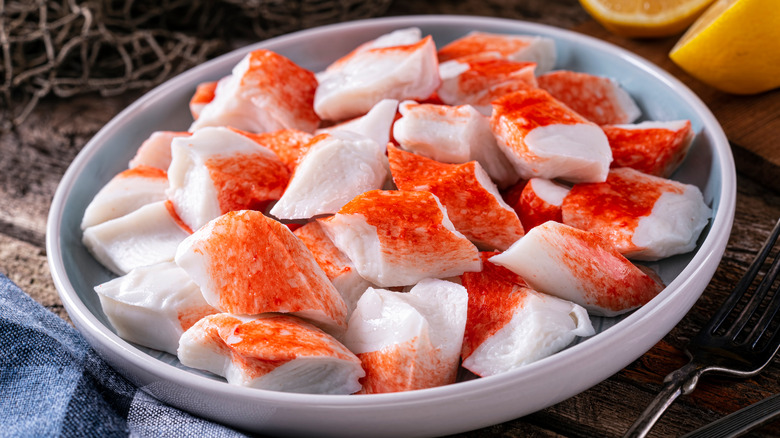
734, 46
645, 18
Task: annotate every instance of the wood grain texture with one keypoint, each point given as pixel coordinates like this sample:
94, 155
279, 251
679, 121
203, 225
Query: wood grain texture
34, 156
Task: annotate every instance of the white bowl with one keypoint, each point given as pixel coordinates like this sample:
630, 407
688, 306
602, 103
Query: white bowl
450, 409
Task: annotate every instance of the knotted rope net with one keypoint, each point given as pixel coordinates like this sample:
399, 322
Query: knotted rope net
68, 47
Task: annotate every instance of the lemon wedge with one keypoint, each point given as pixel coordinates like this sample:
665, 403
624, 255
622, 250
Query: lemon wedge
645, 18
734, 46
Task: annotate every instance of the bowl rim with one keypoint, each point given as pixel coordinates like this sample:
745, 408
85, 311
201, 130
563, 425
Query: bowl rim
706, 258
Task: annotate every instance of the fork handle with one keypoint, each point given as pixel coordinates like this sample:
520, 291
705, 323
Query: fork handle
681, 381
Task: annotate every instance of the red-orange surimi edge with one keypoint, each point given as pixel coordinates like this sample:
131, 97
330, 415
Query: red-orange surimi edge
477, 44
143, 171
614, 207
472, 209
610, 280
257, 265
175, 216
204, 93
404, 366
591, 96
495, 293
655, 151
291, 86
381, 51
290, 145
534, 211
409, 223
485, 74
332, 261
247, 181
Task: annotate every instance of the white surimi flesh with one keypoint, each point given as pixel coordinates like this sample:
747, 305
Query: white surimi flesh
153, 305
125, 193
146, 236
337, 168
409, 340
273, 352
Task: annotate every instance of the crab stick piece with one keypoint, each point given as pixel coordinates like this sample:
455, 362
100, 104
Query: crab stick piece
337, 167
510, 325
579, 266
655, 148
142, 237
155, 151
544, 138
480, 82
452, 134
483, 45
126, 192
376, 124
645, 217
273, 352
356, 83
265, 92
204, 94
599, 99
290, 145
409, 340
473, 202
399, 37
336, 265
153, 305
397, 238
216, 170
247, 263
540, 201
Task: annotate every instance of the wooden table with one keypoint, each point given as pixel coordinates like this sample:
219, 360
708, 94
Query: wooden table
34, 156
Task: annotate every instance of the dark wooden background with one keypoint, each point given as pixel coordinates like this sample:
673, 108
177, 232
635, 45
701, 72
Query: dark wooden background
34, 156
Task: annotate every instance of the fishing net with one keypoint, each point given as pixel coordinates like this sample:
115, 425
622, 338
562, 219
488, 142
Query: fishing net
68, 47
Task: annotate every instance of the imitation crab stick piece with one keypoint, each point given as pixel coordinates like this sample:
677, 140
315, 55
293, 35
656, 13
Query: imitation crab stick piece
473, 202
482, 45
274, 352
290, 145
540, 201
359, 81
480, 82
265, 92
452, 134
204, 94
579, 266
155, 151
599, 99
337, 167
216, 170
153, 305
397, 238
655, 148
127, 191
409, 340
510, 325
645, 217
247, 263
142, 237
399, 37
376, 124
336, 265
544, 138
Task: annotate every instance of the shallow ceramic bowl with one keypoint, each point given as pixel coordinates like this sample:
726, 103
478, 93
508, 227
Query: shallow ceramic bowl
454, 408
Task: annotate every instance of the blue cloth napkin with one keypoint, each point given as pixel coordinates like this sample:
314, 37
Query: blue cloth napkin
52, 383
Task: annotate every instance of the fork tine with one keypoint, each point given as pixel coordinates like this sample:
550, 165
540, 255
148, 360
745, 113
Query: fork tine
764, 322
755, 301
742, 286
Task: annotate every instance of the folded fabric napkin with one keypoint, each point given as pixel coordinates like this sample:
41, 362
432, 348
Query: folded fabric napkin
52, 383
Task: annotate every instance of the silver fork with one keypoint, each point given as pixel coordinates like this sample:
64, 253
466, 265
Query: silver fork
739, 340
